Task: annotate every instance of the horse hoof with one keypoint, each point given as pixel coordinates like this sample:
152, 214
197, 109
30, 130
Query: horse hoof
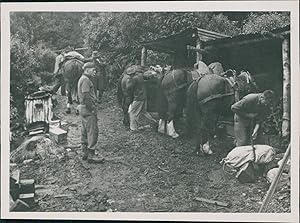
68, 111
198, 152
77, 112
175, 136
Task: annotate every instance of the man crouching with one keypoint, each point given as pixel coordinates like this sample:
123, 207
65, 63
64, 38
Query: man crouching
88, 113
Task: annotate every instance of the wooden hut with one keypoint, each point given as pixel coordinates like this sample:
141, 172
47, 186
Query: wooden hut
265, 55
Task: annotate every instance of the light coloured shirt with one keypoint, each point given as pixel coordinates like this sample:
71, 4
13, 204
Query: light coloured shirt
85, 85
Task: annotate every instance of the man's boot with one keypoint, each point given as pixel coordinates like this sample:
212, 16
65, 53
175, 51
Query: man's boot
92, 158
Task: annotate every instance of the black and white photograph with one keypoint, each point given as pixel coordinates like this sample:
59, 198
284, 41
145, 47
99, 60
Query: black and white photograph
150, 110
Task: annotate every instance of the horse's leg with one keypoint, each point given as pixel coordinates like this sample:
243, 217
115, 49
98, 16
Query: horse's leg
63, 87
210, 130
178, 112
162, 110
125, 107
100, 95
69, 94
199, 130
172, 106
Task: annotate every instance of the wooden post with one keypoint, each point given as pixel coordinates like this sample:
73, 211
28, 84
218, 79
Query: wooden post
286, 87
199, 55
144, 56
143, 63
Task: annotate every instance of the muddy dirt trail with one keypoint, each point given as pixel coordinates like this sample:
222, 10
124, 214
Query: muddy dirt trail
143, 172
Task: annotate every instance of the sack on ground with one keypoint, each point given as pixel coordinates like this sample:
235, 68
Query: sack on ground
244, 161
247, 173
243, 154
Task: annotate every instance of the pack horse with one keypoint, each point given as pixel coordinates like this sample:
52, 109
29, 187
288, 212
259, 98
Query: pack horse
210, 97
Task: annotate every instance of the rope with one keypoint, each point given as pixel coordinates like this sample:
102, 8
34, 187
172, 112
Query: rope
216, 96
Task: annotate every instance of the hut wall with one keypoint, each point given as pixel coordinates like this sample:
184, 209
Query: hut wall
263, 60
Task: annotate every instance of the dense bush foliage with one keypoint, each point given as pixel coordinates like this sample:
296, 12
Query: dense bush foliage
30, 67
118, 35
54, 30
257, 22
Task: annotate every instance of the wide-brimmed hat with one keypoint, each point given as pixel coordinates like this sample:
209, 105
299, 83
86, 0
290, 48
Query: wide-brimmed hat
88, 65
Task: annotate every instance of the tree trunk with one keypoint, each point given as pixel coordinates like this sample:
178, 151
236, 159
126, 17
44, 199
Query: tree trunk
144, 56
286, 87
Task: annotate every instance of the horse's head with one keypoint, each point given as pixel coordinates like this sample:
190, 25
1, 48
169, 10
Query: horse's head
245, 83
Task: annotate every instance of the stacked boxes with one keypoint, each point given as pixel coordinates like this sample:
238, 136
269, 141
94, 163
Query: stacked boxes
58, 135
58, 131
22, 193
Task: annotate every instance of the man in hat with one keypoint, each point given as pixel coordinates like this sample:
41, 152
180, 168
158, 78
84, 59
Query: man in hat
100, 78
88, 113
137, 107
250, 112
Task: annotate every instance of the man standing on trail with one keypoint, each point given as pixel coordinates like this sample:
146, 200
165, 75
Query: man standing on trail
137, 107
88, 113
250, 112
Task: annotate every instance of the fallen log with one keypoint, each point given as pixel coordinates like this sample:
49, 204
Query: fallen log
162, 169
219, 203
63, 195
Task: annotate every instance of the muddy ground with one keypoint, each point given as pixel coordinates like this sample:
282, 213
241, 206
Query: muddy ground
143, 172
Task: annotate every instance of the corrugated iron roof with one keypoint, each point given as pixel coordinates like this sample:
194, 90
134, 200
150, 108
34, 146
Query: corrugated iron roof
248, 38
179, 41
206, 35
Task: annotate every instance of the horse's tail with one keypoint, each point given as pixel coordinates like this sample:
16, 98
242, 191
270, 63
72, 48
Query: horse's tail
162, 107
192, 107
120, 95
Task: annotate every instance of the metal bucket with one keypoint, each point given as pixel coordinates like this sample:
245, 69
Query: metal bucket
38, 109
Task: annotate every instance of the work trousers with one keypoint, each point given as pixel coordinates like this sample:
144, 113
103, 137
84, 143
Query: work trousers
136, 110
242, 130
89, 130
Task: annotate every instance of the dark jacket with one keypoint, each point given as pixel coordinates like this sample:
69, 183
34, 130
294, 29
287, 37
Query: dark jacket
136, 83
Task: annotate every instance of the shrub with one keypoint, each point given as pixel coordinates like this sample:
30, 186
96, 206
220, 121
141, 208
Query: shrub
29, 68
